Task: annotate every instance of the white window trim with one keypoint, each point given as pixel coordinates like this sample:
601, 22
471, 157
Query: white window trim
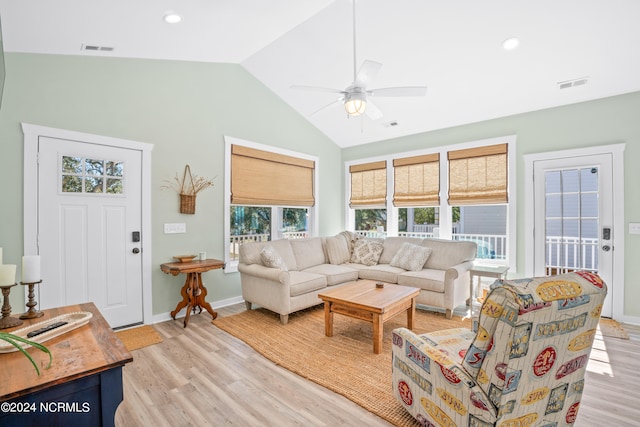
312, 224
445, 209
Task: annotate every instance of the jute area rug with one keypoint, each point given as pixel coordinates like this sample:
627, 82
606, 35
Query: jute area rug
344, 363
139, 337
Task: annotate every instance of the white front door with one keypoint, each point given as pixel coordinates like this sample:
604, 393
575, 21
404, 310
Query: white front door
574, 217
89, 224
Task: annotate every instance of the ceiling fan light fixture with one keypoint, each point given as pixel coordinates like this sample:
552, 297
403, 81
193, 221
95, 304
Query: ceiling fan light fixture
355, 104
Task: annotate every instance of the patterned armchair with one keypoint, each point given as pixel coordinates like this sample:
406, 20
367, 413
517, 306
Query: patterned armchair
524, 366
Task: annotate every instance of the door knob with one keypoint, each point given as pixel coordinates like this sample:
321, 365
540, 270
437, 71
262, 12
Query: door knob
136, 250
606, 248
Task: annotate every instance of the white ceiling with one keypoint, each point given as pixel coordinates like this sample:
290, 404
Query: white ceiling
452, 47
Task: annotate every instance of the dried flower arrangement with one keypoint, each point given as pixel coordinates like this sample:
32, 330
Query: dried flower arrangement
197, 184
187, 190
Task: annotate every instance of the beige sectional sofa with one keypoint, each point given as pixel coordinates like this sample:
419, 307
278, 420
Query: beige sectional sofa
285, 276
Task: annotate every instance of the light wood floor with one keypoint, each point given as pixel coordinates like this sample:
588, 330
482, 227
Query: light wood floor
203, 376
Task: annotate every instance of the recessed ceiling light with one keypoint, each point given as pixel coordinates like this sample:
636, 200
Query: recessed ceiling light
172, 18
510, 43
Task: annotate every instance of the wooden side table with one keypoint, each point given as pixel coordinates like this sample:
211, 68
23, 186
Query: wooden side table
193, 291
497, 272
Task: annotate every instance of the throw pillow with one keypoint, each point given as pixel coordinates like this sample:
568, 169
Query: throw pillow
338, 249
271, 258
411, 257
366, 252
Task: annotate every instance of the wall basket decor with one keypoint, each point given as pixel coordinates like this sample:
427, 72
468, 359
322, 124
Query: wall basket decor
188, 188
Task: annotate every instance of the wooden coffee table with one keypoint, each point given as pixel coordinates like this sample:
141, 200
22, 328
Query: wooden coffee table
363, 300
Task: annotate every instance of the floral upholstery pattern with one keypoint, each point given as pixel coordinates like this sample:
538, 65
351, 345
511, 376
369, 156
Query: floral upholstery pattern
366, 252
524, 366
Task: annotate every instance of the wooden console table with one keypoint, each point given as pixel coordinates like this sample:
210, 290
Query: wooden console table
193, 291
83, 386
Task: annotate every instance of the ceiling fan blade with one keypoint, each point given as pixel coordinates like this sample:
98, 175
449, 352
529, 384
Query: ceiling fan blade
315, 89
368, 71
327, 105
399, 91
372, 111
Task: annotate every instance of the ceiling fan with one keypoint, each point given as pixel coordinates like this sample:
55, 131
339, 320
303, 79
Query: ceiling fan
356, 96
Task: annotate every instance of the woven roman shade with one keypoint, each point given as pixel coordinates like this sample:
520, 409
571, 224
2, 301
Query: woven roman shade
417, 181
263, 178
478, 175
369, 185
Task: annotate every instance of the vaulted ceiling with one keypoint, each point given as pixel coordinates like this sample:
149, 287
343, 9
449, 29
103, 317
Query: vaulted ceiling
454, 48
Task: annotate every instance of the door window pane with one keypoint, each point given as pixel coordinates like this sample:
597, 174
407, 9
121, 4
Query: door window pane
571, 220
93, 176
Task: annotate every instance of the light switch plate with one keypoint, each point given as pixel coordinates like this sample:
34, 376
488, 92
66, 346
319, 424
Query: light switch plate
634, 228
174, 228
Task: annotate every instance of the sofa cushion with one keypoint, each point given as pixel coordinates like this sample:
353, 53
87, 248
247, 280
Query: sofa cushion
250, 252
430, 280
447, 253
335, 274
308, 252
380, 273
366, 251
302, 282
392, 245
271, 258
411, 257
338, 249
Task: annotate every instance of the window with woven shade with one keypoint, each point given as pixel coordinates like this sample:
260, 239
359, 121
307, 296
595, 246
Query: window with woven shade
417, 181
478, 175
368, 185
263, 178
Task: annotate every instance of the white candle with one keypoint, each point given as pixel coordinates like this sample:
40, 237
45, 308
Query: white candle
7, 274
31, 268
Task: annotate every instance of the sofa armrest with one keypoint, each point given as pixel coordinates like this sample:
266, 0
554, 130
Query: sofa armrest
269, 273
458, 270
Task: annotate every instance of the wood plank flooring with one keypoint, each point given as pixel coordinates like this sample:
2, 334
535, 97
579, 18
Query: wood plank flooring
203, 376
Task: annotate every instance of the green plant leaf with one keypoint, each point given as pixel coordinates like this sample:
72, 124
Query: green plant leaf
14, 341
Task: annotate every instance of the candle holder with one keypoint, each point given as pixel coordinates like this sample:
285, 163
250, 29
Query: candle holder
31, 313
7, 321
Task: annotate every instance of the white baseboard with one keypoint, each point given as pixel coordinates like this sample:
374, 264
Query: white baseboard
163, 317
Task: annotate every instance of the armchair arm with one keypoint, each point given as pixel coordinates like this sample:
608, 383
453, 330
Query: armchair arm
431, 383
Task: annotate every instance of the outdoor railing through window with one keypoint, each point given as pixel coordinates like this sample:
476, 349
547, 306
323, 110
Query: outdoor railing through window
239, 239
566, 254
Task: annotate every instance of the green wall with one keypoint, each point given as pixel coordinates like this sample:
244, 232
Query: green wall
594, 123
184, 109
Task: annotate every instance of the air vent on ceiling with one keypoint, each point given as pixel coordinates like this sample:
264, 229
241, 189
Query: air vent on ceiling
572, 83
391, 124
95, 48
